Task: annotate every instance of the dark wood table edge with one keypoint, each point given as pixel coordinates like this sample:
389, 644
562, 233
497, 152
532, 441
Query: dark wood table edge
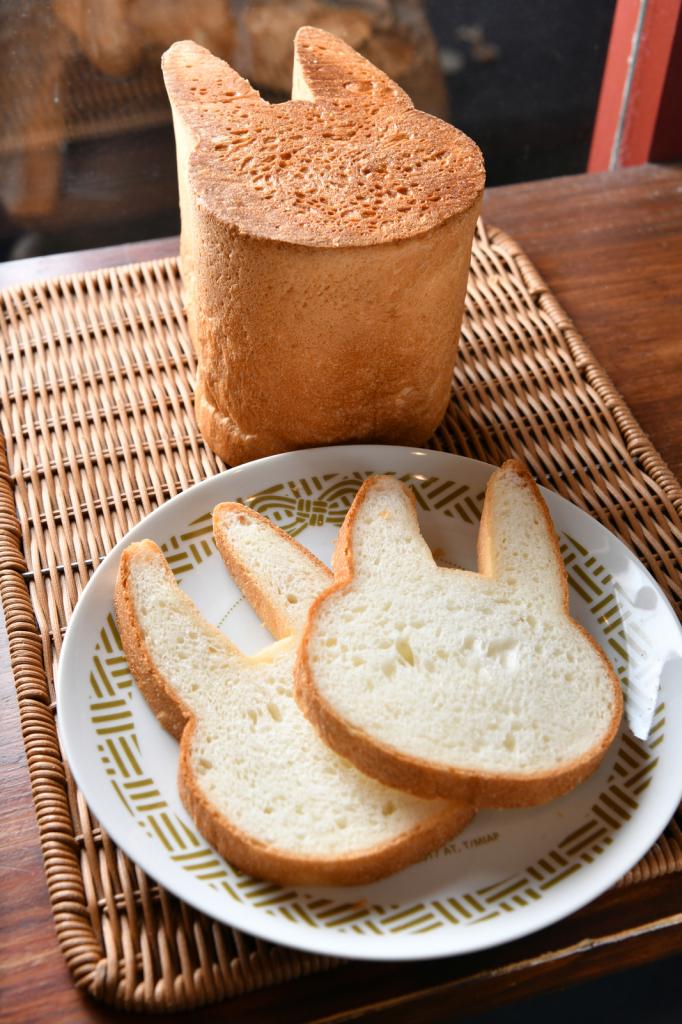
81, 261
446, 989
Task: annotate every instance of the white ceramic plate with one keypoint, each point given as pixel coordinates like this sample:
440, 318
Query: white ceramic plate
510, 872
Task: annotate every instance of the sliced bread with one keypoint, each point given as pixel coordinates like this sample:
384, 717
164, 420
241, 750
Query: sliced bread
260, 784
470, 685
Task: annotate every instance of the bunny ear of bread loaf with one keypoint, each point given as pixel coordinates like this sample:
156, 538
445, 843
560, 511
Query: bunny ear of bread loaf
470, 685
328, 70
261, 786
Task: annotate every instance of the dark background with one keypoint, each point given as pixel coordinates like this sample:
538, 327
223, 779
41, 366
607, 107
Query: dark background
647, 995
531, 107
522, 79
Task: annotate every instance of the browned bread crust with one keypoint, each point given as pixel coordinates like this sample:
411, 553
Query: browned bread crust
347, 162
325, 249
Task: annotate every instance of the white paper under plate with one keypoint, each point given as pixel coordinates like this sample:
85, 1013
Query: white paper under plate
510, 872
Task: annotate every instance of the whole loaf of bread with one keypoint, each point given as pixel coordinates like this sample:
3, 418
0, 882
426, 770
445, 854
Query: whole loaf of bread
325, 250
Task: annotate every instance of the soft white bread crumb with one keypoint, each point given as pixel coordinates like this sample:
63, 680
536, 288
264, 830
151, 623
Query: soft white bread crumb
254, 774
458, 683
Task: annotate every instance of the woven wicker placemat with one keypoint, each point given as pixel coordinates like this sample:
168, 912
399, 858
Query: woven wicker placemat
96, 414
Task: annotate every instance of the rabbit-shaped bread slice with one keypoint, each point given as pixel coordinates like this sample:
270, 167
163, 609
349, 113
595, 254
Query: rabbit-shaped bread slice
470, 685
260, 784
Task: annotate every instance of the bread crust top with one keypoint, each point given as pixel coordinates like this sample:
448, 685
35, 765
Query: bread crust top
347, 162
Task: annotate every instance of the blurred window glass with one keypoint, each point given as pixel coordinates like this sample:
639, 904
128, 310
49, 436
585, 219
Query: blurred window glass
86, 145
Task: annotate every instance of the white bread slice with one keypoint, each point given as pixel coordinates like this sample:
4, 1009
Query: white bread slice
325, 250
477, 686
254, 775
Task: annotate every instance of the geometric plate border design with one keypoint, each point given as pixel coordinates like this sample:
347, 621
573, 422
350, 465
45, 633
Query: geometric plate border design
312, 501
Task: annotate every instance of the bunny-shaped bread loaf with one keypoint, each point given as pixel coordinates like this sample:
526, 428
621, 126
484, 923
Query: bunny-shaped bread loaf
325, 250
258, 781
469, 685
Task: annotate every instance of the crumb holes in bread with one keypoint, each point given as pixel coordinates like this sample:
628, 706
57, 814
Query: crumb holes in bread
274, 712
405, 651
504, 651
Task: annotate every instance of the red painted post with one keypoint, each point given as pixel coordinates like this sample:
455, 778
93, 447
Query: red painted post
639, 105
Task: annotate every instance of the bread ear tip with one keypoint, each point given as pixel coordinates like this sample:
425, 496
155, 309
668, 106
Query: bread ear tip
378, 482
306, 32
183, 49
513, 467
127, 556
170, 52
141, 547
226, 510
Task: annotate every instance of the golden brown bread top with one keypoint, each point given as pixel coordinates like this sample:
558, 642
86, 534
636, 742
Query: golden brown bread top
347, 162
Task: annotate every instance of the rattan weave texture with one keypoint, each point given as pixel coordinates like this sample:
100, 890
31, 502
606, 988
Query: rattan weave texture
98, 429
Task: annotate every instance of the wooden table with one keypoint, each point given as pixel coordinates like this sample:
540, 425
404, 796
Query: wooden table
610, 247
